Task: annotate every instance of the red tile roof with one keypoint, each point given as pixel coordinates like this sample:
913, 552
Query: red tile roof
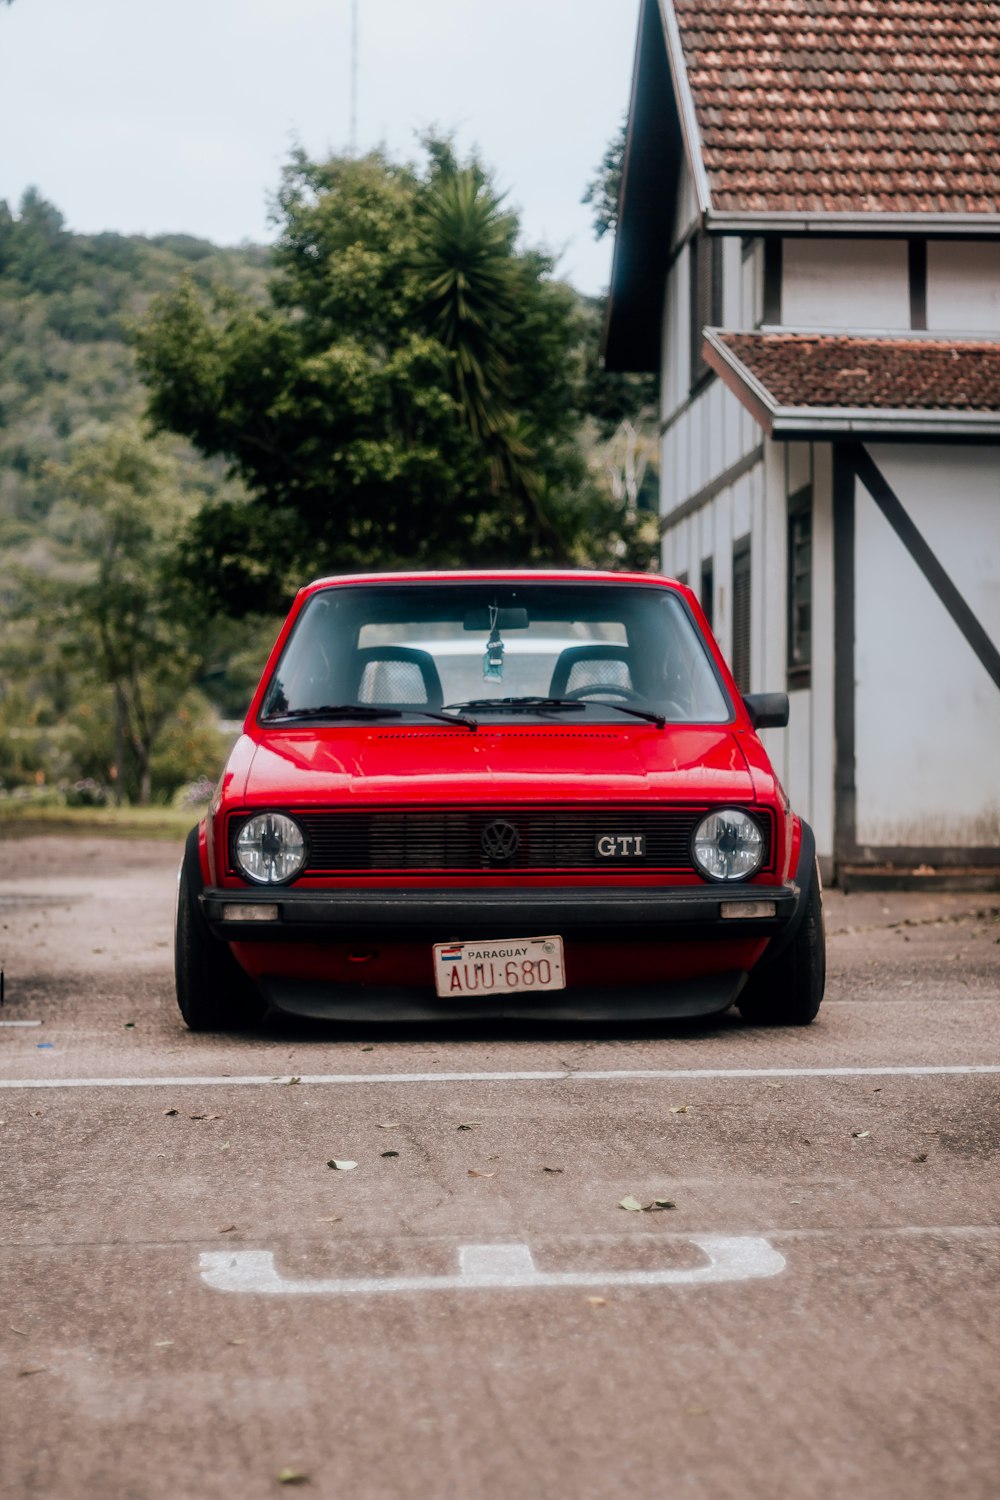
790, 380
846, 106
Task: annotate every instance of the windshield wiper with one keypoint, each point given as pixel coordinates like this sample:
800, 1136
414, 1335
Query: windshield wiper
637, 713
580, 703
529, 702
366, 711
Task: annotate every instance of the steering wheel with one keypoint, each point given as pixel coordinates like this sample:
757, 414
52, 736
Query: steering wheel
670, 706
617, 689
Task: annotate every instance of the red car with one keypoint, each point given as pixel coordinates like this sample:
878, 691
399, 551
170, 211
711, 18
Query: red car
495, 794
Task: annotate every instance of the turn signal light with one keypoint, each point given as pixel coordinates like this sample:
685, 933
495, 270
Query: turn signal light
248, 913
736, 909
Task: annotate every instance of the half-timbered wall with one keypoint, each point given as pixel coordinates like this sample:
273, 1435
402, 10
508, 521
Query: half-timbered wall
963, 286
845, 283
926, 710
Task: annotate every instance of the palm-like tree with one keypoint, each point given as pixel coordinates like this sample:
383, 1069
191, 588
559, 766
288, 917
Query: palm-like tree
471, 278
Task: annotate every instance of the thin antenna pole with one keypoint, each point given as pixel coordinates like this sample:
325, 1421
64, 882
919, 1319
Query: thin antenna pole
354, 77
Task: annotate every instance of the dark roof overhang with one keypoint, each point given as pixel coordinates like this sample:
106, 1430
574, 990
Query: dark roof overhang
654, 151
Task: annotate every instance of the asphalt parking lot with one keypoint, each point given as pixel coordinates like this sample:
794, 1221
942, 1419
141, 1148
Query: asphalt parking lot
195, 1303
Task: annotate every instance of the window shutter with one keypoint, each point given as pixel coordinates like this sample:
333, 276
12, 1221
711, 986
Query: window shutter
741, 614
800, 588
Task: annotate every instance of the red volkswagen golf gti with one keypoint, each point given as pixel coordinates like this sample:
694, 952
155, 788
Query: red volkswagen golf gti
502, 794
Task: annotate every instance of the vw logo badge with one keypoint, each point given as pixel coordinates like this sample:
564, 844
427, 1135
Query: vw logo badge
499, 842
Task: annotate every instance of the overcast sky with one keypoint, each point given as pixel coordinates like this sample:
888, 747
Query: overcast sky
143, 116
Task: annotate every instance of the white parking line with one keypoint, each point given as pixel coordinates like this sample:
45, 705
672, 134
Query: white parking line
508, 1267
563, 1075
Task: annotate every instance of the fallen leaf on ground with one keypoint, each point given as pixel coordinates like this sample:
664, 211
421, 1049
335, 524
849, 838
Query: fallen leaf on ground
921, 1156
227, 1229
474, 1173
552, 1169
469, 1125
164, 1344
292, 1476
235, 1341
632, 1204
598, 1301
129, 1025
368, 1049
678, 1109
33, 1370
390, 1153
225, 1147
197, 1117
294, 1079
342, 1166
21, 1331
333, 1219
658, 1203
388, 1125
861, 1135
170, 1111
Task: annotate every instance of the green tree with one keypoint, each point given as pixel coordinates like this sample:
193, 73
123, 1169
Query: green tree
623, 408
121, 626
603, 192
409, 395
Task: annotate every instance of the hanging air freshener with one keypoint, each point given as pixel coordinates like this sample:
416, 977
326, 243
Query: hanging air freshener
493, 656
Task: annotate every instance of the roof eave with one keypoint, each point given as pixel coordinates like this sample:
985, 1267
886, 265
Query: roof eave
686, 109
802, 421
838, 421
798, 222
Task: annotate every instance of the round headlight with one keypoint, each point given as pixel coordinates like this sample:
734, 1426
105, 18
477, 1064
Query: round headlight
728, 845
270, 849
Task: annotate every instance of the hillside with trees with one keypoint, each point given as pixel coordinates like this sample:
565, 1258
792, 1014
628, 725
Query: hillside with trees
187, 433
72, 503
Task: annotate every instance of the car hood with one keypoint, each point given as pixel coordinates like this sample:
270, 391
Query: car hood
366, 765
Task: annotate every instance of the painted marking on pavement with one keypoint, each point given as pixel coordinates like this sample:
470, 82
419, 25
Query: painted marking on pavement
562, 1075
742, 1257
20, 1023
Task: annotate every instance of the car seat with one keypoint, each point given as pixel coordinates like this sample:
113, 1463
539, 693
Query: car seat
397, 675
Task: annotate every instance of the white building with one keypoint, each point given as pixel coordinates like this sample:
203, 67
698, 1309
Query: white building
808, 249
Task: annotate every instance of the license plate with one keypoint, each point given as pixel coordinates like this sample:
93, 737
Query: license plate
499, 966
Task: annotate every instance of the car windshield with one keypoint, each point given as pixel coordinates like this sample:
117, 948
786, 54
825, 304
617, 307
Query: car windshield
544, 651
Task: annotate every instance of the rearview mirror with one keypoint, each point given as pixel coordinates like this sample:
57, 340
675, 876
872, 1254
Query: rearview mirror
767, 710
506, 619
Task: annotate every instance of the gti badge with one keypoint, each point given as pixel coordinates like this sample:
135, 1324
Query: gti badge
620, 845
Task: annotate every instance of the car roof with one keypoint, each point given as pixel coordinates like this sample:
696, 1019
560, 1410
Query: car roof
497, 575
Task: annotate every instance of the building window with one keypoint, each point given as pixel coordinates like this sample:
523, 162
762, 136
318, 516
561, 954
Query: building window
800, 588
918, 283
741, 614
773, 257
706, 299
707, 591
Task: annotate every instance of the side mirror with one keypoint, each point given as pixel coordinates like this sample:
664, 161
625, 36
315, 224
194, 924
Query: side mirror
767, 710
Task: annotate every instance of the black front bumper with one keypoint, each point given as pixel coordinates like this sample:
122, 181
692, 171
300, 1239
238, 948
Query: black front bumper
584, 913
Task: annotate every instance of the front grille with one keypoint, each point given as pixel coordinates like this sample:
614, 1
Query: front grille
451, 839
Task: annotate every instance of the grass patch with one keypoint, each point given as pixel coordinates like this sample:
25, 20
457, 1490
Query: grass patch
27, 820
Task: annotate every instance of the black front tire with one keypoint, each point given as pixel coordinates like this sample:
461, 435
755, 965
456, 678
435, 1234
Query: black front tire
213, 992
788, 990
